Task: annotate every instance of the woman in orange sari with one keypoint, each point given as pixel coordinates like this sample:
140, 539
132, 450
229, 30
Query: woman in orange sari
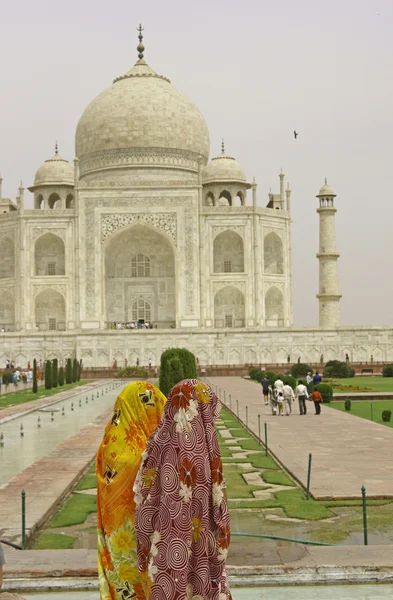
137, 412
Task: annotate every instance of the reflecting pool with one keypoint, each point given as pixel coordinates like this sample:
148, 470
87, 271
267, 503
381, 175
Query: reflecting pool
44, 430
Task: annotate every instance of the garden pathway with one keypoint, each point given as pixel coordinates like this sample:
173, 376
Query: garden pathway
347, 451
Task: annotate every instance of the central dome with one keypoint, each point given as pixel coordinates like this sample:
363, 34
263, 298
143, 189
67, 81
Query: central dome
141, 120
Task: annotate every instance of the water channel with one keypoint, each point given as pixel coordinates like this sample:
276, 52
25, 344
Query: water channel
58, 422
329, 592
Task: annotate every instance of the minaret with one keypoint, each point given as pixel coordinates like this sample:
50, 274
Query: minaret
329, 294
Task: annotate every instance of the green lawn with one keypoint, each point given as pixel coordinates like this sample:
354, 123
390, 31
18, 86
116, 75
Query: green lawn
362, 408
373, 384
74, 511
21, 395
54, 541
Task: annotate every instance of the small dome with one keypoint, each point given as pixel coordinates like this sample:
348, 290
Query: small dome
223, 168
326, 190
55, 171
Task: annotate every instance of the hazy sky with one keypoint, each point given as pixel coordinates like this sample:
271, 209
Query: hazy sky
257, 69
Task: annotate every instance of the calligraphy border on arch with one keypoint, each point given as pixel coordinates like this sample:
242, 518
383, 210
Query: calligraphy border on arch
91, 203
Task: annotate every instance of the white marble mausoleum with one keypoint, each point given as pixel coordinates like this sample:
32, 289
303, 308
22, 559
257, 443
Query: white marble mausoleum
145, 227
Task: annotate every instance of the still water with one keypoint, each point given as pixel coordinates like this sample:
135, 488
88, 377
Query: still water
64, 419
336, 592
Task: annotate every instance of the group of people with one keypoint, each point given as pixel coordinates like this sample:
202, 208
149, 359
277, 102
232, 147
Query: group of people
163, 521
132, 325
280, 396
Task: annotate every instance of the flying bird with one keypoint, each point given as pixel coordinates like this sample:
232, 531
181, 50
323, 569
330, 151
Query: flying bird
295, 133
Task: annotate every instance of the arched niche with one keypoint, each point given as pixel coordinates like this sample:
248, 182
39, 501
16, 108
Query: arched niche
229, 307
140, 267
228, 253
39, 202
49, 255
7, 258
7, 311
50, 311
225, 198
273, 254
70, 203
209, 199
239, 200
54, 200
274, 307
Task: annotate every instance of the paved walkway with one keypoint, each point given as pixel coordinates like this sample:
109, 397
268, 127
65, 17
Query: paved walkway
48, 480
347, 451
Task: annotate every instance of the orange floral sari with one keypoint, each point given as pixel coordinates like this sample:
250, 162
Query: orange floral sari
137, 412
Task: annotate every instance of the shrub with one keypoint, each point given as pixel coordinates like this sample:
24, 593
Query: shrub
289, 380
347, 405
300, 370
55, 373
172, 371
7, 379
253, 371
35, 385
326, 391
339, 369
69, 371
74, 370
79, 369
61, 377
132, 372
386, 415
387, 371
48, 375
271, 376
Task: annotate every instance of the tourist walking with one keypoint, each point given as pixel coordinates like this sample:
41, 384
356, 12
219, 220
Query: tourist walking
265, 383
278, 385
137, 412
273, 400
182, 519
309, 380
280, 403
301, 395
288, 397
316, 397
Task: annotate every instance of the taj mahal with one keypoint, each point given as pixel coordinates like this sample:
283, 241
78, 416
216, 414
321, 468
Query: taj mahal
144, 228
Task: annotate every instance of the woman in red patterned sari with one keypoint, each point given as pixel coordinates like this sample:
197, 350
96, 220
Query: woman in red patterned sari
182, 519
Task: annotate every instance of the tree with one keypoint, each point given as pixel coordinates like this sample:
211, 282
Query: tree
300, 370
48, 375
176, 364
75, 370
55, 373
61, 377
69, 371
80, 370
339, 369
35, 385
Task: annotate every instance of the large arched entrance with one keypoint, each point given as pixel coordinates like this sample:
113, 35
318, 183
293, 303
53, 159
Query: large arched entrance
229, 308
50, 311
140, 278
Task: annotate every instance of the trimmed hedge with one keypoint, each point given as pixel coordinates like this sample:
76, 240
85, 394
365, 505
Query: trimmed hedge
48, 375
338, 369
300, 370
132, 372
387, 371
386, 415
347, 405
176, 364
69, 371
35, 385
61, 377
55, 373
74, 370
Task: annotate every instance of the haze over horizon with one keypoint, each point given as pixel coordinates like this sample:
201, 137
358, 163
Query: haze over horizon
257, 71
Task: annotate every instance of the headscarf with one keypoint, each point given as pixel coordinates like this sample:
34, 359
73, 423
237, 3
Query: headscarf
182, 518
137, 412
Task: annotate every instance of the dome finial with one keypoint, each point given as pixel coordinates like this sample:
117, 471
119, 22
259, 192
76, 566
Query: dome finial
140, 46
222, 146
325, 180
56, 148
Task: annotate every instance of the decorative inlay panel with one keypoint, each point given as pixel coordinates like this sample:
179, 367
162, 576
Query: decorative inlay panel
166, 222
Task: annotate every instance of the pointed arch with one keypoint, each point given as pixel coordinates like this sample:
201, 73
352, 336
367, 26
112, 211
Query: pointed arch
229, 307
54, 200
225, 198
7, 311
273, 254
7, 260
50, 310
274, 307
49, 255
228, 253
